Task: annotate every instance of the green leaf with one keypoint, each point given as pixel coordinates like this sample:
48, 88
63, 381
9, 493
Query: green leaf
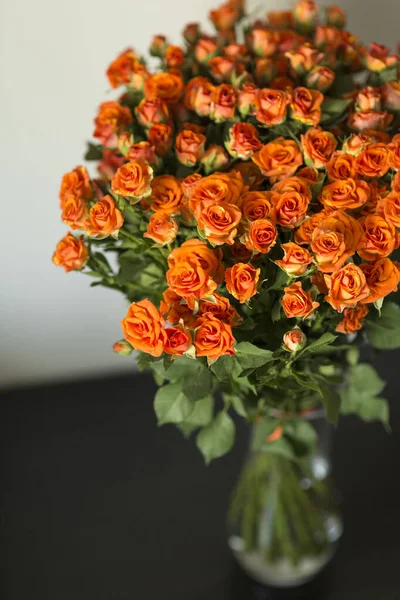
276, 311
301, 435
326, 339
237, 404
251, 357
331, 400
199, 383
334, 110
361, 396
281, 280
202, 412
94, 152
384, 332
216, 439
226, 368
171, 405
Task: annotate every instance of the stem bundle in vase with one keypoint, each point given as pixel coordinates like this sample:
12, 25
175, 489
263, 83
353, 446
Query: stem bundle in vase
248, 193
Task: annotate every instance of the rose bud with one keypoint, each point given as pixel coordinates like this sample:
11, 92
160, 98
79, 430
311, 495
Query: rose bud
222, 68
246, 99
391, 95
224, 17
158, 46
303, 59
71, 253
320, 78
335, 16
189, 147
271, 106
294, 340
265, 70
198, 95
162, 229
305, 14
160, 136
123, 348
223, 103
192, 32
214, 159
243, 141
378, 59
143, 151
151, 110
368, 100
280, 19
327, 37
173, 57
262, 42
205, 49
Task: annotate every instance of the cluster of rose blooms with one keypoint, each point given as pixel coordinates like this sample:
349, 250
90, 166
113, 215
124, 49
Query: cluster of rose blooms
193, 147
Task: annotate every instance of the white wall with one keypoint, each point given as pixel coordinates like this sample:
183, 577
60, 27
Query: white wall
53, 57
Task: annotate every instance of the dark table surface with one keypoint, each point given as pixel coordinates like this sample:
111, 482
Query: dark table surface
99, 504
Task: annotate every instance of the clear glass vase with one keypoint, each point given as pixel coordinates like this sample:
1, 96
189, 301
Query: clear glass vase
284, 520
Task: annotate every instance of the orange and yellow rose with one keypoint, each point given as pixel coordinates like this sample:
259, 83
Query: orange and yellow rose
290, 208
382, 277
162, 229
345, 194
104, 218
297, 303
190, 281
217, 221
143, 328
178, 340
167, 86
71, 253
213, 338
152, 110
271, 106
296, 259
241, 281
346, 287
334, 240
379, 237
189, 147
243, 141
278, 159
111, 119
166, 194
318, 146
261, 235
353, 319
196, 252
133, 181
306, 106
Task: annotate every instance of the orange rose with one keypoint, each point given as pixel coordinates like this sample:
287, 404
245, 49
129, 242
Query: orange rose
224, 17
342, 166
271, 106
345, 194
303, 234
334, 240
221, 308
306, 105
190, 281
246, 99
189, 184
396, 182
278, 159
189, 147
76, 183
168, 87
310, 175
346, 287
257, 205
213, 338
369, 100
243, 141
71, 253
378, 59
241, 281
205, 49
318, 147
162, 229
223, 103
127, 69
142, 151
196, 252
160, 137
382, 277
112, 118
217, 222
303, 59
178, 340
295, 261
261, 236
297, 303
109, 164
294, 340
75, 212
374, 160
222, 68
293, 184
353, 318
166, 194
320, 78
369, 121
151, 110
391, 95
143, 328
198, 96
214, 159
133, 181
280, 19
174, 310
290, 208
262, 41
104, 218
391, 208
173, 57
379, 238
219, 187
356, 143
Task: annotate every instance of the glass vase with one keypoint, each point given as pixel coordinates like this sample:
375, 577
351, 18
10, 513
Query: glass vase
284, 520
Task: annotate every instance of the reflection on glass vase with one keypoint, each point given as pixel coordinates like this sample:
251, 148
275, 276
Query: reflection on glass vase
284, 523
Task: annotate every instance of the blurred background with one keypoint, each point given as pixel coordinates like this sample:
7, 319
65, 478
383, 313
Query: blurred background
53, 59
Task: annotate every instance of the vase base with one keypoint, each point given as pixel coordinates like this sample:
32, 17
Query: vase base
281, 573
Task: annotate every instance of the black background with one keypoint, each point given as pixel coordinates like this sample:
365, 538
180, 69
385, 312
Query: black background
100, 504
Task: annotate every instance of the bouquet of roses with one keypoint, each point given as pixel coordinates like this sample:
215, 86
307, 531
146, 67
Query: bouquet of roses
248, 193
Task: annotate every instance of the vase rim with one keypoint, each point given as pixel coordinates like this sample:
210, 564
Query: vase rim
314, 412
